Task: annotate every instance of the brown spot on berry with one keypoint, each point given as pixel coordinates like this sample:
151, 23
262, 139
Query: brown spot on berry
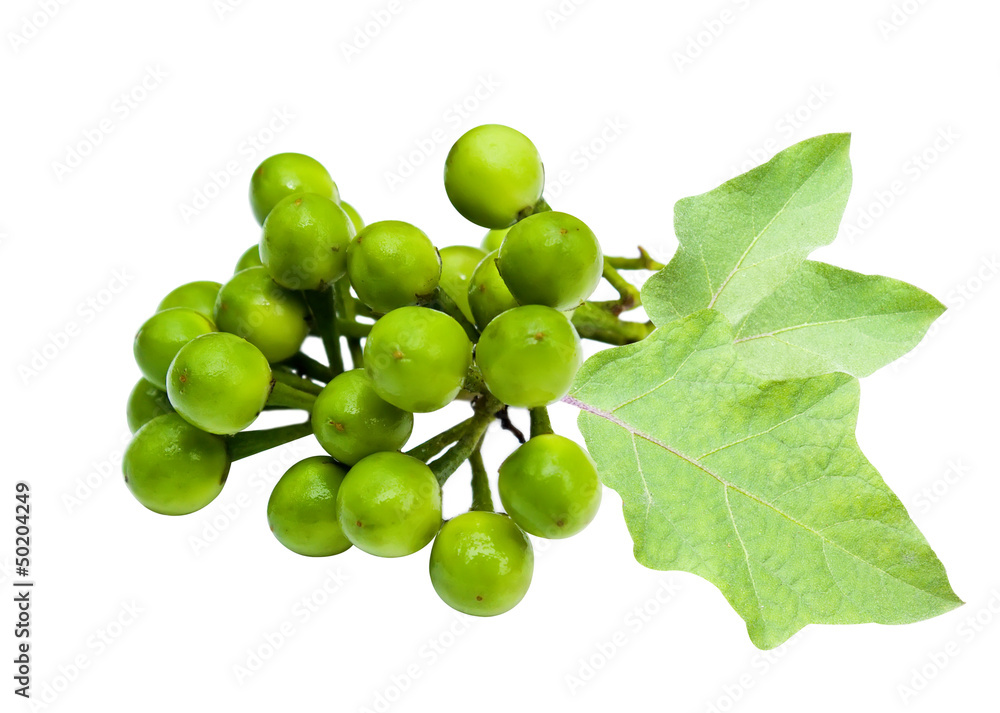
539, 336
298, 202
559, 523
339, 426
358, 524
563, 231
479, 597
397, 355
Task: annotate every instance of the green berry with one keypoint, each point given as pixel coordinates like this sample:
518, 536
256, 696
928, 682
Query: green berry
199, 296
389, 505
417, 358
173, 468
351, 421
354, 215
162, 336
551, 259
493, 175
282, 175
550, 487
529, 356
304, 242
145, 403
275, 320
393, 264
481, 563
219, 382
302, 509
492, 239
457, 264
250, 258
488, 294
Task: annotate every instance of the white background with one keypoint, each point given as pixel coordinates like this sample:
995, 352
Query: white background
671, 99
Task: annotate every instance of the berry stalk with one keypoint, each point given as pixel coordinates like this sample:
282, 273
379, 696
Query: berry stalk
482, 498
283, 394
249, 443
321, 304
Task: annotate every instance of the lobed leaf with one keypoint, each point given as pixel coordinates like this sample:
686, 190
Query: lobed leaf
741, 241
757, 486
826, 319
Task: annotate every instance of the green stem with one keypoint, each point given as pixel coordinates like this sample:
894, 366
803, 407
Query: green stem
643, 262
540, 423
594, 322
248, 443
482, 498
321, 304
486, 410
284, 395
627, 292
309, 367
433, 446
474, 381
347, 308
296, 382
447, 305
353, 330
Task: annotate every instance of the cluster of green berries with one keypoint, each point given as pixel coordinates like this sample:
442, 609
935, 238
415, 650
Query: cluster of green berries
424, 327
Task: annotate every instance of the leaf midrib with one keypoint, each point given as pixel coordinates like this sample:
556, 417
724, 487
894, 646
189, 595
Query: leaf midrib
824, 323
635, 432
763, 230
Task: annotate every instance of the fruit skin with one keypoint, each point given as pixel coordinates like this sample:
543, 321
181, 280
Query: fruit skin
493, 175
173, 468
302, 509
354, 215
457, 265
488, 293
275, 320
389, 505
145, 403
551, 259
417, 358
529, 356
351, 421
550, 487
249, 258
282, 175
199, 296
219, 382
393, 264
304, 242
492, 239
481, 563
162, 336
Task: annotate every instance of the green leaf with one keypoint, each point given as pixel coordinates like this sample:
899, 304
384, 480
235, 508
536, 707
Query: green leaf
741, 241
826, 319
759, 487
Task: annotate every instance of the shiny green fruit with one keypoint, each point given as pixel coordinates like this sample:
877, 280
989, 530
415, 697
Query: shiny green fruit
282, 175
304, 242
551, 259
481, 563
219, 382
173, 468
199, 296
302, 509
457, 265
351, 421
162, 336
550, 487
493, 176
389, 505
